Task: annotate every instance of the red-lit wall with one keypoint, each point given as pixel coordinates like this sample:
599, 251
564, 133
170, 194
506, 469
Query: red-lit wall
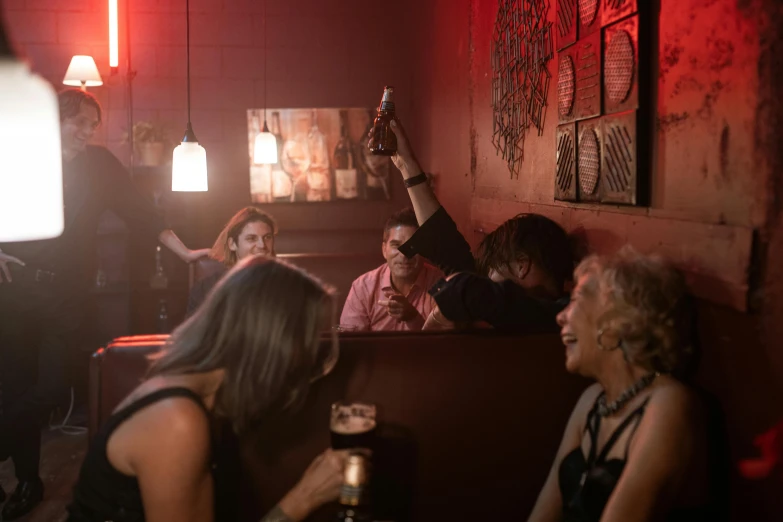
320, 54
440, 123
717, 172
717, 177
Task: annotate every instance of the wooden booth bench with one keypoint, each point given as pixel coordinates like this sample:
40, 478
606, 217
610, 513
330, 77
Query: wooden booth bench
469, 423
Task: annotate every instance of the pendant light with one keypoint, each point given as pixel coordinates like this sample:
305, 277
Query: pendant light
189, 165
265, 147
31, 176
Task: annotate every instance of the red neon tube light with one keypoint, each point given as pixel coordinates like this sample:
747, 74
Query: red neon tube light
114, 53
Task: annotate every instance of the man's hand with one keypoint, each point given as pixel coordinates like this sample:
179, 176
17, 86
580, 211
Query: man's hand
5, 272
404, 159
399, 307
194, 255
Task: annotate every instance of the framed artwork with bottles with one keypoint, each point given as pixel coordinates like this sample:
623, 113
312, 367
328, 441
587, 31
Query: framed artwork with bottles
322, 155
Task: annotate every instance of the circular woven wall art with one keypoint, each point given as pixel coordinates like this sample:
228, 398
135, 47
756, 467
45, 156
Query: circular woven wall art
589, 161
619, 66
587, 11
565, 86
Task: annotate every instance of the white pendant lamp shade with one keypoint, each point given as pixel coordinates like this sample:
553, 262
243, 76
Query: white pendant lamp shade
189, 168
189, 165
31, 178
82, 72
265, 148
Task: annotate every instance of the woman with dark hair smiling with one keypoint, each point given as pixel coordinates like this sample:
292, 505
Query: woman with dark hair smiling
245, 356
635, 448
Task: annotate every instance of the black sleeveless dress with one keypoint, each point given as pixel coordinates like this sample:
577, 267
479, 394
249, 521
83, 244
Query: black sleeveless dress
104, 494
587, 483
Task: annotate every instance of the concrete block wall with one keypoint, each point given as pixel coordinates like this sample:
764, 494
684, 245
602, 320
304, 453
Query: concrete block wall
335, 53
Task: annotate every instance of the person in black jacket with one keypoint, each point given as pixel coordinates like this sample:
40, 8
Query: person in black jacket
43, 287
527, 261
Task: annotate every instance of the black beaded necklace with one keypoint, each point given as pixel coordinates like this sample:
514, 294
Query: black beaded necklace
605, 410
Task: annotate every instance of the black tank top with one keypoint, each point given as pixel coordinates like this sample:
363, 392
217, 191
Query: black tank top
102, 493
587, 484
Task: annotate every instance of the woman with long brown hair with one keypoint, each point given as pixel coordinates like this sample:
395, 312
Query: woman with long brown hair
245, 356
251, 231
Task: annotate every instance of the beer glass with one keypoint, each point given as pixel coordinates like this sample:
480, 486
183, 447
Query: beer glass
352, 425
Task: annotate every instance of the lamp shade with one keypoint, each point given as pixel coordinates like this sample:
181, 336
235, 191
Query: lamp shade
189, 168
31, 177
265, 149
82, 72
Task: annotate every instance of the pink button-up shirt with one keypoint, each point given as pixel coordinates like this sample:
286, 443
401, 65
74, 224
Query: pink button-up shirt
363, 311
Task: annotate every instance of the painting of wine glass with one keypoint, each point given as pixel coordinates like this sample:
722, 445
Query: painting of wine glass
322, 155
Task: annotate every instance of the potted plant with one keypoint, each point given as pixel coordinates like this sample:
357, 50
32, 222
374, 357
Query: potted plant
150, 143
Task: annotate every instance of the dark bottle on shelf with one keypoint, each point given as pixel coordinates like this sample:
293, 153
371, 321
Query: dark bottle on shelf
163, 317
159, 280
354, 493
383, 142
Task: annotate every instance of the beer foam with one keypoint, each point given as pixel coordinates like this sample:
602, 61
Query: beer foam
352, 425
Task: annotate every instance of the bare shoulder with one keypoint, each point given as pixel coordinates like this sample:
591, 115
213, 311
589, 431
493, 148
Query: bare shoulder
175, 429
177, 417
674, 397
673, 408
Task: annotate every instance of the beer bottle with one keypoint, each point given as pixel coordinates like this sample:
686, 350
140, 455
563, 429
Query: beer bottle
354, 504
382, 139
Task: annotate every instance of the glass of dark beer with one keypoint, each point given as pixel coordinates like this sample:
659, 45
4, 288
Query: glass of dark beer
352, 425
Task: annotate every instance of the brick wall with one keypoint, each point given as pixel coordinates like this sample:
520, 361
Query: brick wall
320, 54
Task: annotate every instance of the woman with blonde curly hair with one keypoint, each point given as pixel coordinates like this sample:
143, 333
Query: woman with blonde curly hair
635, 445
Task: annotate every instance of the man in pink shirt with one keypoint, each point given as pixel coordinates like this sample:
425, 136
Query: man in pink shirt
393, 296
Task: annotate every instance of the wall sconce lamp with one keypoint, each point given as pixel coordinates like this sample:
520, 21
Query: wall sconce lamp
82, 72
31, 176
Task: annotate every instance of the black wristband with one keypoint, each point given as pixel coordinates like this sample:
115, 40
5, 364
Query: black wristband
415, 180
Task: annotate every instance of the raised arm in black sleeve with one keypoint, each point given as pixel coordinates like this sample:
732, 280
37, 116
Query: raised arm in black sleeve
124, 198
505, 305
439, 241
